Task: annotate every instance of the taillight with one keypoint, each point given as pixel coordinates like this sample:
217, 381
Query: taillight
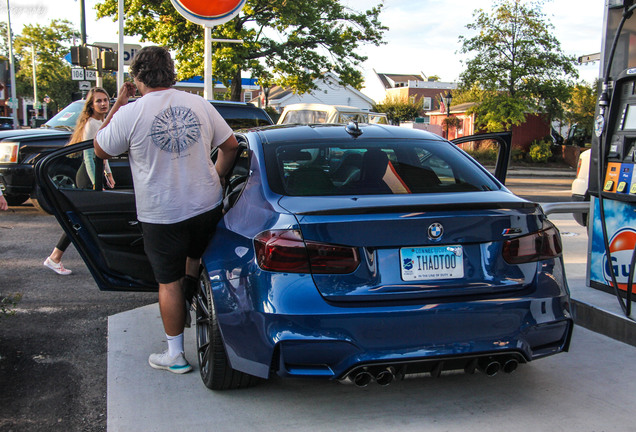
544, 244
9, 152
286, 251
578, 166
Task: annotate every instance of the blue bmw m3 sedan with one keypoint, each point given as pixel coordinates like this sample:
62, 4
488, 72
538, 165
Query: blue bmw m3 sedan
349, 252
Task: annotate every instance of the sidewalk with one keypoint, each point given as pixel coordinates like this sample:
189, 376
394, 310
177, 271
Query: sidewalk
540, 171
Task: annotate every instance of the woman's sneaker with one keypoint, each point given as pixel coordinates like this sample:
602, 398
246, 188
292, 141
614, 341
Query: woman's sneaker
177, 364
56, 267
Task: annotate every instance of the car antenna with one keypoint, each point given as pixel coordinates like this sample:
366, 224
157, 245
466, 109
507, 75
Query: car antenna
353, 129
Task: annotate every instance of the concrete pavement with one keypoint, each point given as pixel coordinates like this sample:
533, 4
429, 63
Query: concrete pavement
588, 389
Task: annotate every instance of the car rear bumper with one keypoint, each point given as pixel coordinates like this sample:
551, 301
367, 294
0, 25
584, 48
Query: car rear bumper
333, 341
580, 218
407, 347
16, 179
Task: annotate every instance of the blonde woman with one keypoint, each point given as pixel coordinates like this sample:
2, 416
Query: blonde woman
89, 121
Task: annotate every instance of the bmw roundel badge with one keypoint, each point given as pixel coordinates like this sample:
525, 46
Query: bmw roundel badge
435, 231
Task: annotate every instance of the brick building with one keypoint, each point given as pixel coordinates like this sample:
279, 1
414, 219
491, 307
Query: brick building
534, 128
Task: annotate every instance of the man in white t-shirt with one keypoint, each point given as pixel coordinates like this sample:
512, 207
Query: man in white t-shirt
168, 135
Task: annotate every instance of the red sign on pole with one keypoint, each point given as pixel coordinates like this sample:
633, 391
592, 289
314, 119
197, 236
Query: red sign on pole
209, 13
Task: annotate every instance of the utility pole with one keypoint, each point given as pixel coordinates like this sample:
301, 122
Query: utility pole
83, 21
35, 84
14, 100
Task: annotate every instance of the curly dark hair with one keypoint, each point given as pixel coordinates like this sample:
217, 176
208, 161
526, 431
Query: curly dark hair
153, 66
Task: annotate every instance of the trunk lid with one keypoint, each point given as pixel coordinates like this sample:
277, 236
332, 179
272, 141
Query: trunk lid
389, 231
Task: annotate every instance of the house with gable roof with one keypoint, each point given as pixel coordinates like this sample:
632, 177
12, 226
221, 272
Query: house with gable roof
329, 91
415, 87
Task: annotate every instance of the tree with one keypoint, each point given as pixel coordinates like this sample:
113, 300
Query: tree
579, 109
289, 43
398, 109
518, 64
51, 44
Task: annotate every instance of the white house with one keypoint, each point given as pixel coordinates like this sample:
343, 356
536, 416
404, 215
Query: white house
329, 92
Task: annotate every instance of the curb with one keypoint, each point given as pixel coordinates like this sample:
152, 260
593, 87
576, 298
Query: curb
606, 323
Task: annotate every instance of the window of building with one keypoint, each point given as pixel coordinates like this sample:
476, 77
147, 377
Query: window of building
247, 96
427, 103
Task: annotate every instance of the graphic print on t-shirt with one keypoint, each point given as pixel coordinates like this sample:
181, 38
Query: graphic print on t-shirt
175, 129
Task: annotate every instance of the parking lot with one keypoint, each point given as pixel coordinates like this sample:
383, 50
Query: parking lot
75, 358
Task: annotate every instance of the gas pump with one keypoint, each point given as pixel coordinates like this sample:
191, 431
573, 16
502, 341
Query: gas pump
612, 183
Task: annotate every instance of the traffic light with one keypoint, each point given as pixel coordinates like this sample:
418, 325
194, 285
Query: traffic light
109, 60
81, 56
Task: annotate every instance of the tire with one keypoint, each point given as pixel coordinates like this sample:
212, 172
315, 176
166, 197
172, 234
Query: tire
16, 200
64, 177
214, 366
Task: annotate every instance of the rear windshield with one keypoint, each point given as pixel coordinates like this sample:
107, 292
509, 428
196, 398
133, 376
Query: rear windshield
369, 168
304, 117
242, 117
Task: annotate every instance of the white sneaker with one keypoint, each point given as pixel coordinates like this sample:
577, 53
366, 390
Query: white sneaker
177, 364
56, 267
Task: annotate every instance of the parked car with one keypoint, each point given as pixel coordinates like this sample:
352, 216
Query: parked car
20, 150
6, 123
314, 113
353, 253
580, 190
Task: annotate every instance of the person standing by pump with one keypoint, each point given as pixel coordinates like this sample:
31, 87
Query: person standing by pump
168, 135
88, 123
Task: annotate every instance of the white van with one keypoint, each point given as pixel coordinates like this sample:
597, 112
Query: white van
311, 113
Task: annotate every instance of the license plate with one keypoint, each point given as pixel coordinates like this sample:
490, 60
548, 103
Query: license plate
431, 263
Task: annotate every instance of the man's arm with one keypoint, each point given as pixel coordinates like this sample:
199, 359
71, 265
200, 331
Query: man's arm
226, 157
126, 91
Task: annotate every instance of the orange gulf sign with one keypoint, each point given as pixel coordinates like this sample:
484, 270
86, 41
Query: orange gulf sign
208, 12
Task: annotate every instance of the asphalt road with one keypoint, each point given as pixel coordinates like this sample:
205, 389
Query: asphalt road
53, 350
541, 189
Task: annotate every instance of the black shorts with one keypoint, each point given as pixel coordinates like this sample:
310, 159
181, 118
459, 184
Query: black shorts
168, 245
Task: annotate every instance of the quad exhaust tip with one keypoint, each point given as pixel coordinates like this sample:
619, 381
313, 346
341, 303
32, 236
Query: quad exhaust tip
489, 366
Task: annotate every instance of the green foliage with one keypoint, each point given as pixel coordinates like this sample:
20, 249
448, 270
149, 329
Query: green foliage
579, 110
517, 155
540, 151
8, 302
289, 43
51, 43
518, 66
484, 156
398, 109
275, 115
450, 122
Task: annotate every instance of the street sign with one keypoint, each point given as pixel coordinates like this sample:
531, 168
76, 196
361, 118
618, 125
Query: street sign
84, 85
77, 74
90, 75
208, 13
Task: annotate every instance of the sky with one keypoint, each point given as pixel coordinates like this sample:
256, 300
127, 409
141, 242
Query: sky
422, 36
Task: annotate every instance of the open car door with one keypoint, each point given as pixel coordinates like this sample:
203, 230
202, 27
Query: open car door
101, 224
489, 149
